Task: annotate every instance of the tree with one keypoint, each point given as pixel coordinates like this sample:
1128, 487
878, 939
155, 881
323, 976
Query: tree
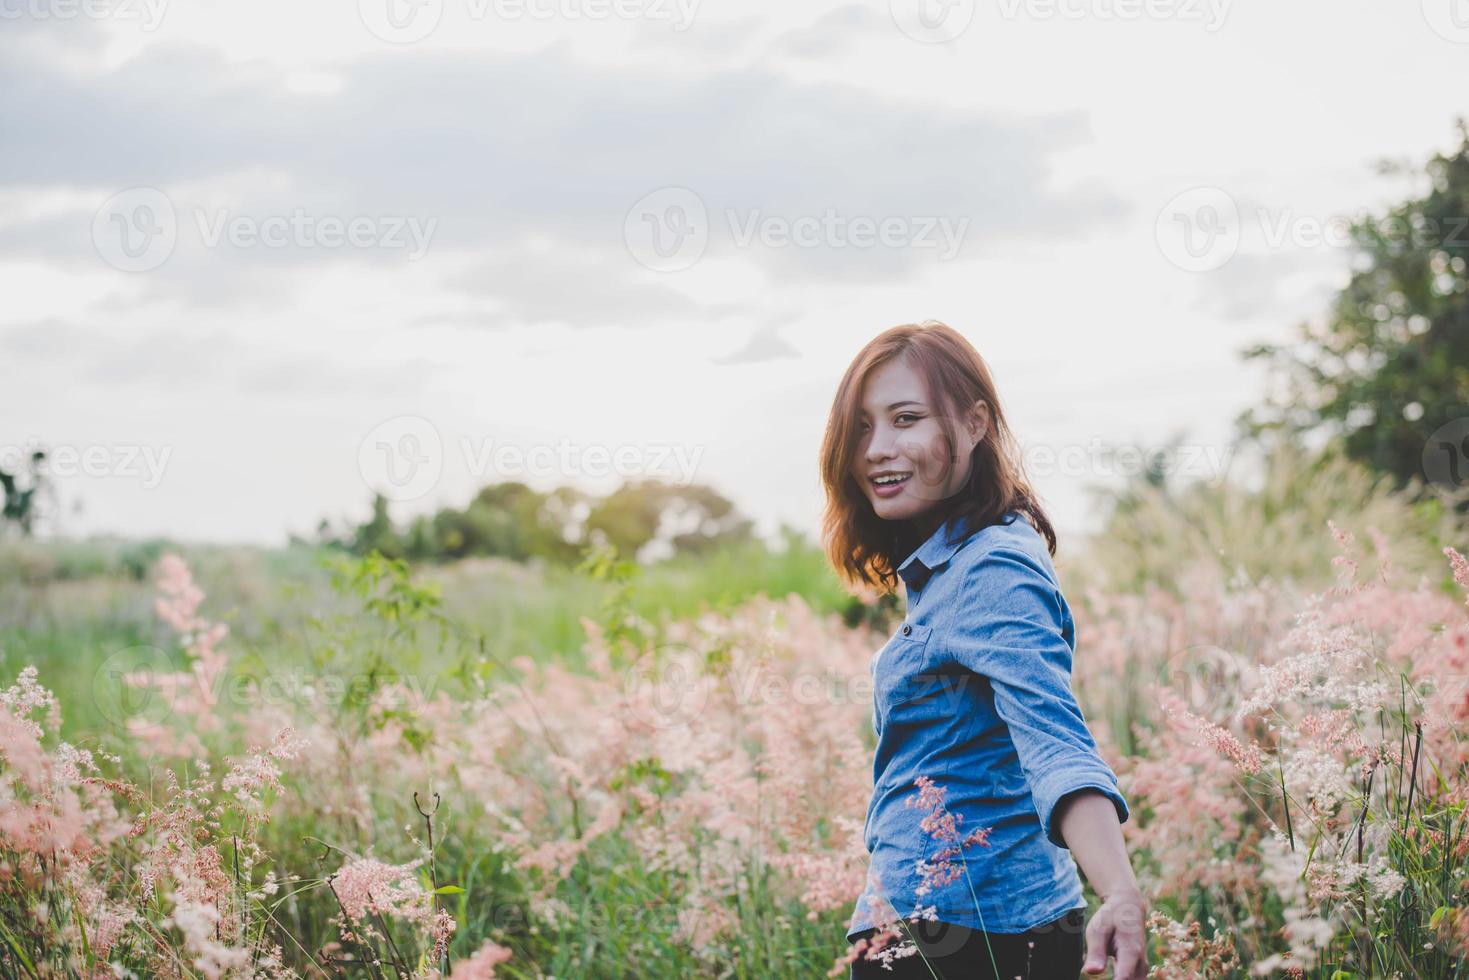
690, 519
22, 491
378, 533
1387, 371
514, 521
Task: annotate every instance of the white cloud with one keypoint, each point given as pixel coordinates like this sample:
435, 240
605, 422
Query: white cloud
529, 316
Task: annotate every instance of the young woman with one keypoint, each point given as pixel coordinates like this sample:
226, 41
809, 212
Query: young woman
924, 484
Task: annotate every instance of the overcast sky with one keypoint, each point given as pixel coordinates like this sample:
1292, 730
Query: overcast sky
258, 258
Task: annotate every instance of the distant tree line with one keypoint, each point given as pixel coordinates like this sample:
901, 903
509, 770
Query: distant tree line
648, 519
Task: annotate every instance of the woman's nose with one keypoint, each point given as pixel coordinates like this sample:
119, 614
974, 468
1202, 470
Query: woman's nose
878, 451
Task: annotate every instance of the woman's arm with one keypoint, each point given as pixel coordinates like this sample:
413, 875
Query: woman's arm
1012, 633
1087, 821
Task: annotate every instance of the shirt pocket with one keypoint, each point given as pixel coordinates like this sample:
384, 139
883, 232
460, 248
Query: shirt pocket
898, 668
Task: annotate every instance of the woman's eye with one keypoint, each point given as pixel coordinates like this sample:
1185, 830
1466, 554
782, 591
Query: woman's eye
906, 415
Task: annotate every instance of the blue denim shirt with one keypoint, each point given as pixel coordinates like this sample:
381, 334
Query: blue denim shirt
974, 691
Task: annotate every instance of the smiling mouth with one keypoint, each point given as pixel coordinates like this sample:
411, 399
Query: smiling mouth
890, 481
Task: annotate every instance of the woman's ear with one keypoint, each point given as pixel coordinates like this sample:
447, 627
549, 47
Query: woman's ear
979, 421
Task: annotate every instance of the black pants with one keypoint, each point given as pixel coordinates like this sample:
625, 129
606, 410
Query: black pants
1053, 951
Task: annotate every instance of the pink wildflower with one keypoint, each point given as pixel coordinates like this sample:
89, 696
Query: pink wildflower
367, 885
943, 826
1461, 569
1220, 739
443, 930
1343, 560
481, 966
181, 597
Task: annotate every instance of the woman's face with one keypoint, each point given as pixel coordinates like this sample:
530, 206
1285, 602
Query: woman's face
902, 443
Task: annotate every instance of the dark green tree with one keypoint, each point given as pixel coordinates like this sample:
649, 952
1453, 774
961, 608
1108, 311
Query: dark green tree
378, 533
1387, 371
22, 491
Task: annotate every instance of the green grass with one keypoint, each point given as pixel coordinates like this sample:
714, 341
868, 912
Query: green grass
73, 618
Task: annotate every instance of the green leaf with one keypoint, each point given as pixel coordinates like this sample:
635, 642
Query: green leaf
448, 890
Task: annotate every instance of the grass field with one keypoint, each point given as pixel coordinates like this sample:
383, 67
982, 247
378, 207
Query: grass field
233, 762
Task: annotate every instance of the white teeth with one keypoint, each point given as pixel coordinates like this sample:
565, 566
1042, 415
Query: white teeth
883, 481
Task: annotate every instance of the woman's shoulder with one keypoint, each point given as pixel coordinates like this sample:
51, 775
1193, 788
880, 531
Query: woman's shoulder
1012, 542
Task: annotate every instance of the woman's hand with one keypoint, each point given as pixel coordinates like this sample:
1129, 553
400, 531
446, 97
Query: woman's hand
1118, 930
1088, 823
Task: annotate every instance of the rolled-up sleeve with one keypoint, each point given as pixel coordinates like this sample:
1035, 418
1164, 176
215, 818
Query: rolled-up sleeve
1008, 628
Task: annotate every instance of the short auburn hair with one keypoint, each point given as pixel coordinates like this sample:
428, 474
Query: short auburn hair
865, 549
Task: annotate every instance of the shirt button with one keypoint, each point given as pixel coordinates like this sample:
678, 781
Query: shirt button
907, 629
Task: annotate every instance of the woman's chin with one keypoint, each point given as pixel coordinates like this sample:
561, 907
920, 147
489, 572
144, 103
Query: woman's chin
896, 508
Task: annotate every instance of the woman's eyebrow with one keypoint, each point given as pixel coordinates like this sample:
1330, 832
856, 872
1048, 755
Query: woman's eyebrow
898, 405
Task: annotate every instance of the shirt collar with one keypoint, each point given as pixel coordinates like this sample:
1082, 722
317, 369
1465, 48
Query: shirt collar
939, 548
